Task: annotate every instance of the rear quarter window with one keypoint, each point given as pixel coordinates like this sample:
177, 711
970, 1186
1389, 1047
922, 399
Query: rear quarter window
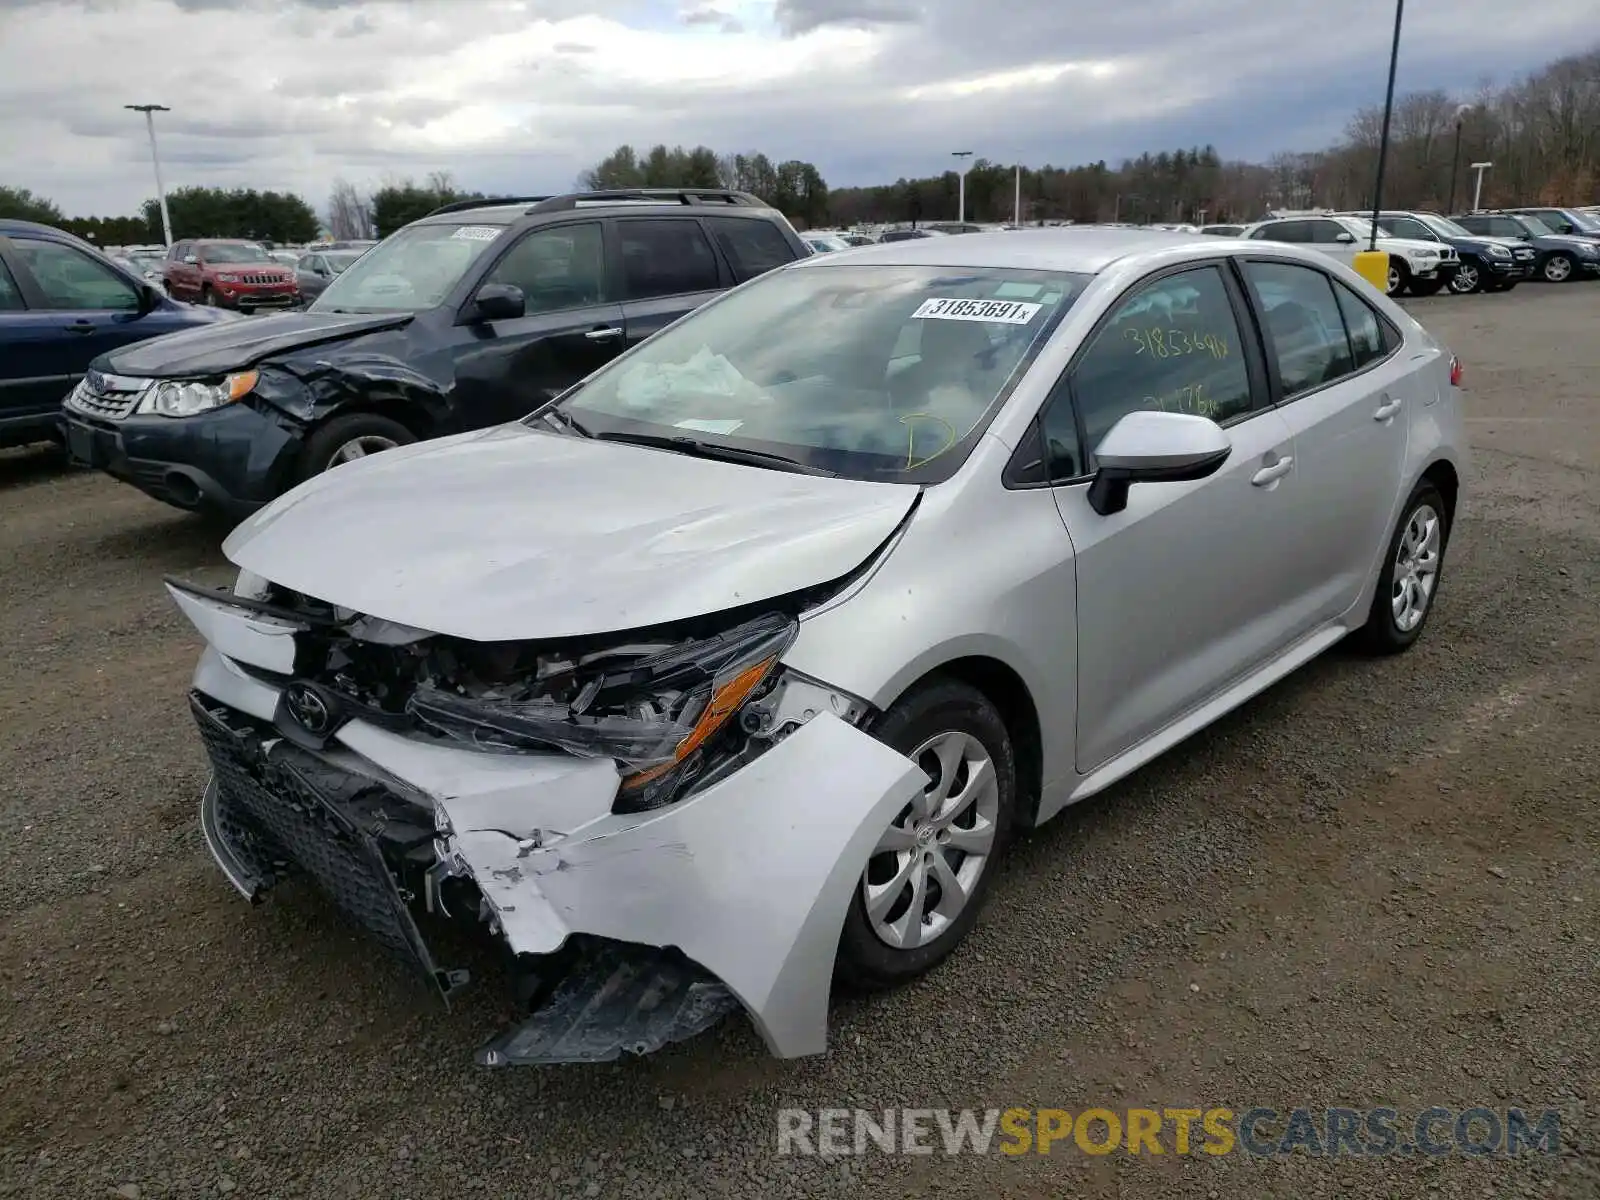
751, 247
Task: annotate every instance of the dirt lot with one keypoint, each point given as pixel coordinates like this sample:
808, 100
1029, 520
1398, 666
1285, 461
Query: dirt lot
1378, 884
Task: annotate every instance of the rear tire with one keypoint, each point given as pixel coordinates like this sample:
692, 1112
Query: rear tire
347, 438
946, 845
208, 297
1408, 585
1557, 269
1399, 278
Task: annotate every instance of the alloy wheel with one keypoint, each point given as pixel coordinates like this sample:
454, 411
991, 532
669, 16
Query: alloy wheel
923, 871
1416, 568
360, 447
1465, 279
1394, 280
1557, 269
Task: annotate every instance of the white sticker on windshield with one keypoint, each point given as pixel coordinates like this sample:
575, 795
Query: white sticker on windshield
723, 427
478, 233
1007, 312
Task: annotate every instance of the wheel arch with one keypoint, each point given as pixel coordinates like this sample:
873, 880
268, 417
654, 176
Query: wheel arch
1442, 473
1003, 687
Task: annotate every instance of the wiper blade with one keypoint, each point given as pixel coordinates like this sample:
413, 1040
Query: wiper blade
713, 450
560, 417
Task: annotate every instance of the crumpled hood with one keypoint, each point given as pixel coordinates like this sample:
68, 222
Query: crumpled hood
512, 533
235, 345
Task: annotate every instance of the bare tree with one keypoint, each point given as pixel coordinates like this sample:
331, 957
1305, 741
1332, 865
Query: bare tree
349, 216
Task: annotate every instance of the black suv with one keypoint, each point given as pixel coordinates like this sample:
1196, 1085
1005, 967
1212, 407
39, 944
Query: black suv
472, 316
1560, 258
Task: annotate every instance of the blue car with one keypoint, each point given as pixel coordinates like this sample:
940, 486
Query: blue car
62, 303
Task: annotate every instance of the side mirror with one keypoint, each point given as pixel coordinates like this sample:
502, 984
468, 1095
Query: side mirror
1346, 238
1154, 447
499, 302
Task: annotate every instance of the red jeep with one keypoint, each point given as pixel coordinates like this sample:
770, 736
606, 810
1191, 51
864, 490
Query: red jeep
229, 274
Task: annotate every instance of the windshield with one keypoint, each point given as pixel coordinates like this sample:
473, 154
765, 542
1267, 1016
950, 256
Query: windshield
1535, 226
413, 270
1585, 221
338, 260
882, 372
233, 252
1443, 226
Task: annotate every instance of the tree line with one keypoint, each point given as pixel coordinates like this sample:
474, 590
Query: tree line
1542, 133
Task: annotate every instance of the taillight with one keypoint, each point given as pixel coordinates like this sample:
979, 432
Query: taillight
1455, 371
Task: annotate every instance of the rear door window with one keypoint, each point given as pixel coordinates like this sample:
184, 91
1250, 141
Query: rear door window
751, 247
1304, 327
1371, 337
665, 258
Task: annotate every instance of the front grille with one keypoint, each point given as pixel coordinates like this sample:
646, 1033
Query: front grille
269, 803
261, 279
107, 402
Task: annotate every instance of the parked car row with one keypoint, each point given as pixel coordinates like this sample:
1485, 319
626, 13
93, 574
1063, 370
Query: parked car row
1472, 252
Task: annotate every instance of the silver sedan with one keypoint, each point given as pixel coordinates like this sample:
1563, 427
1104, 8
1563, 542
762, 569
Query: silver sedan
758, 647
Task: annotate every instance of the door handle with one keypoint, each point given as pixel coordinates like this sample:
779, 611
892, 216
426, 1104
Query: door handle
1273, 473
1386, 410
80, 327
603, 334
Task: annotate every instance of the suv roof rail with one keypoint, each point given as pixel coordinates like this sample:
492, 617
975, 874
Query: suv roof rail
485, 202
649, 195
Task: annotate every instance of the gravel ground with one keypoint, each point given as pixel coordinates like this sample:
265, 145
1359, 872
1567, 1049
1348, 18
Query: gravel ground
1377, 884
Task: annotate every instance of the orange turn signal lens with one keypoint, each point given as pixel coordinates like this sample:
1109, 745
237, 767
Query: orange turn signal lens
726, 699
242, 384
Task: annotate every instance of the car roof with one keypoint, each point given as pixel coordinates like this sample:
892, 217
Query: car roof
509, 214
11, 225
1085, 250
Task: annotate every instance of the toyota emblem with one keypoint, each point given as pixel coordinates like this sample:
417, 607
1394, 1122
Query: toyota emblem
308, 709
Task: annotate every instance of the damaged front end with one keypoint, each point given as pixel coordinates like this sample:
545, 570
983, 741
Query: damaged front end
658, 827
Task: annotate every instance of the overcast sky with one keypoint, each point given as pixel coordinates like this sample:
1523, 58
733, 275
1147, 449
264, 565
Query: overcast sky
521, 95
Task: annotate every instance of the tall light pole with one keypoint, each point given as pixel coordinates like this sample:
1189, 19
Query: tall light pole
961, 157
1477, 190
149, 111
1016, 200
1388, 113
1455, 159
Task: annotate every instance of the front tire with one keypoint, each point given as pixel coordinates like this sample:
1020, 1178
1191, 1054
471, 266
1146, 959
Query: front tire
1409, 582
931, 871
209, 297
1469, 278
1557, 269
345, 439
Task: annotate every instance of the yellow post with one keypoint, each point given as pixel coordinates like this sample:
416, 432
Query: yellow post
1373, 266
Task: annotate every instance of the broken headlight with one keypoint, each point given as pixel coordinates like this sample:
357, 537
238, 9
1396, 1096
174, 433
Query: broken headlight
654, 713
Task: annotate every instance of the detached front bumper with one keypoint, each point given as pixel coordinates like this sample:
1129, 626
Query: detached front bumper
741, 886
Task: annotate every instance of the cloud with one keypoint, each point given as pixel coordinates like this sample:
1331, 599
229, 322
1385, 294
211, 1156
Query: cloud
521, 96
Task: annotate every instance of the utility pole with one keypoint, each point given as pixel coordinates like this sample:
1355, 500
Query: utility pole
1016, 201
961, 157
149, 111
1455, 159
